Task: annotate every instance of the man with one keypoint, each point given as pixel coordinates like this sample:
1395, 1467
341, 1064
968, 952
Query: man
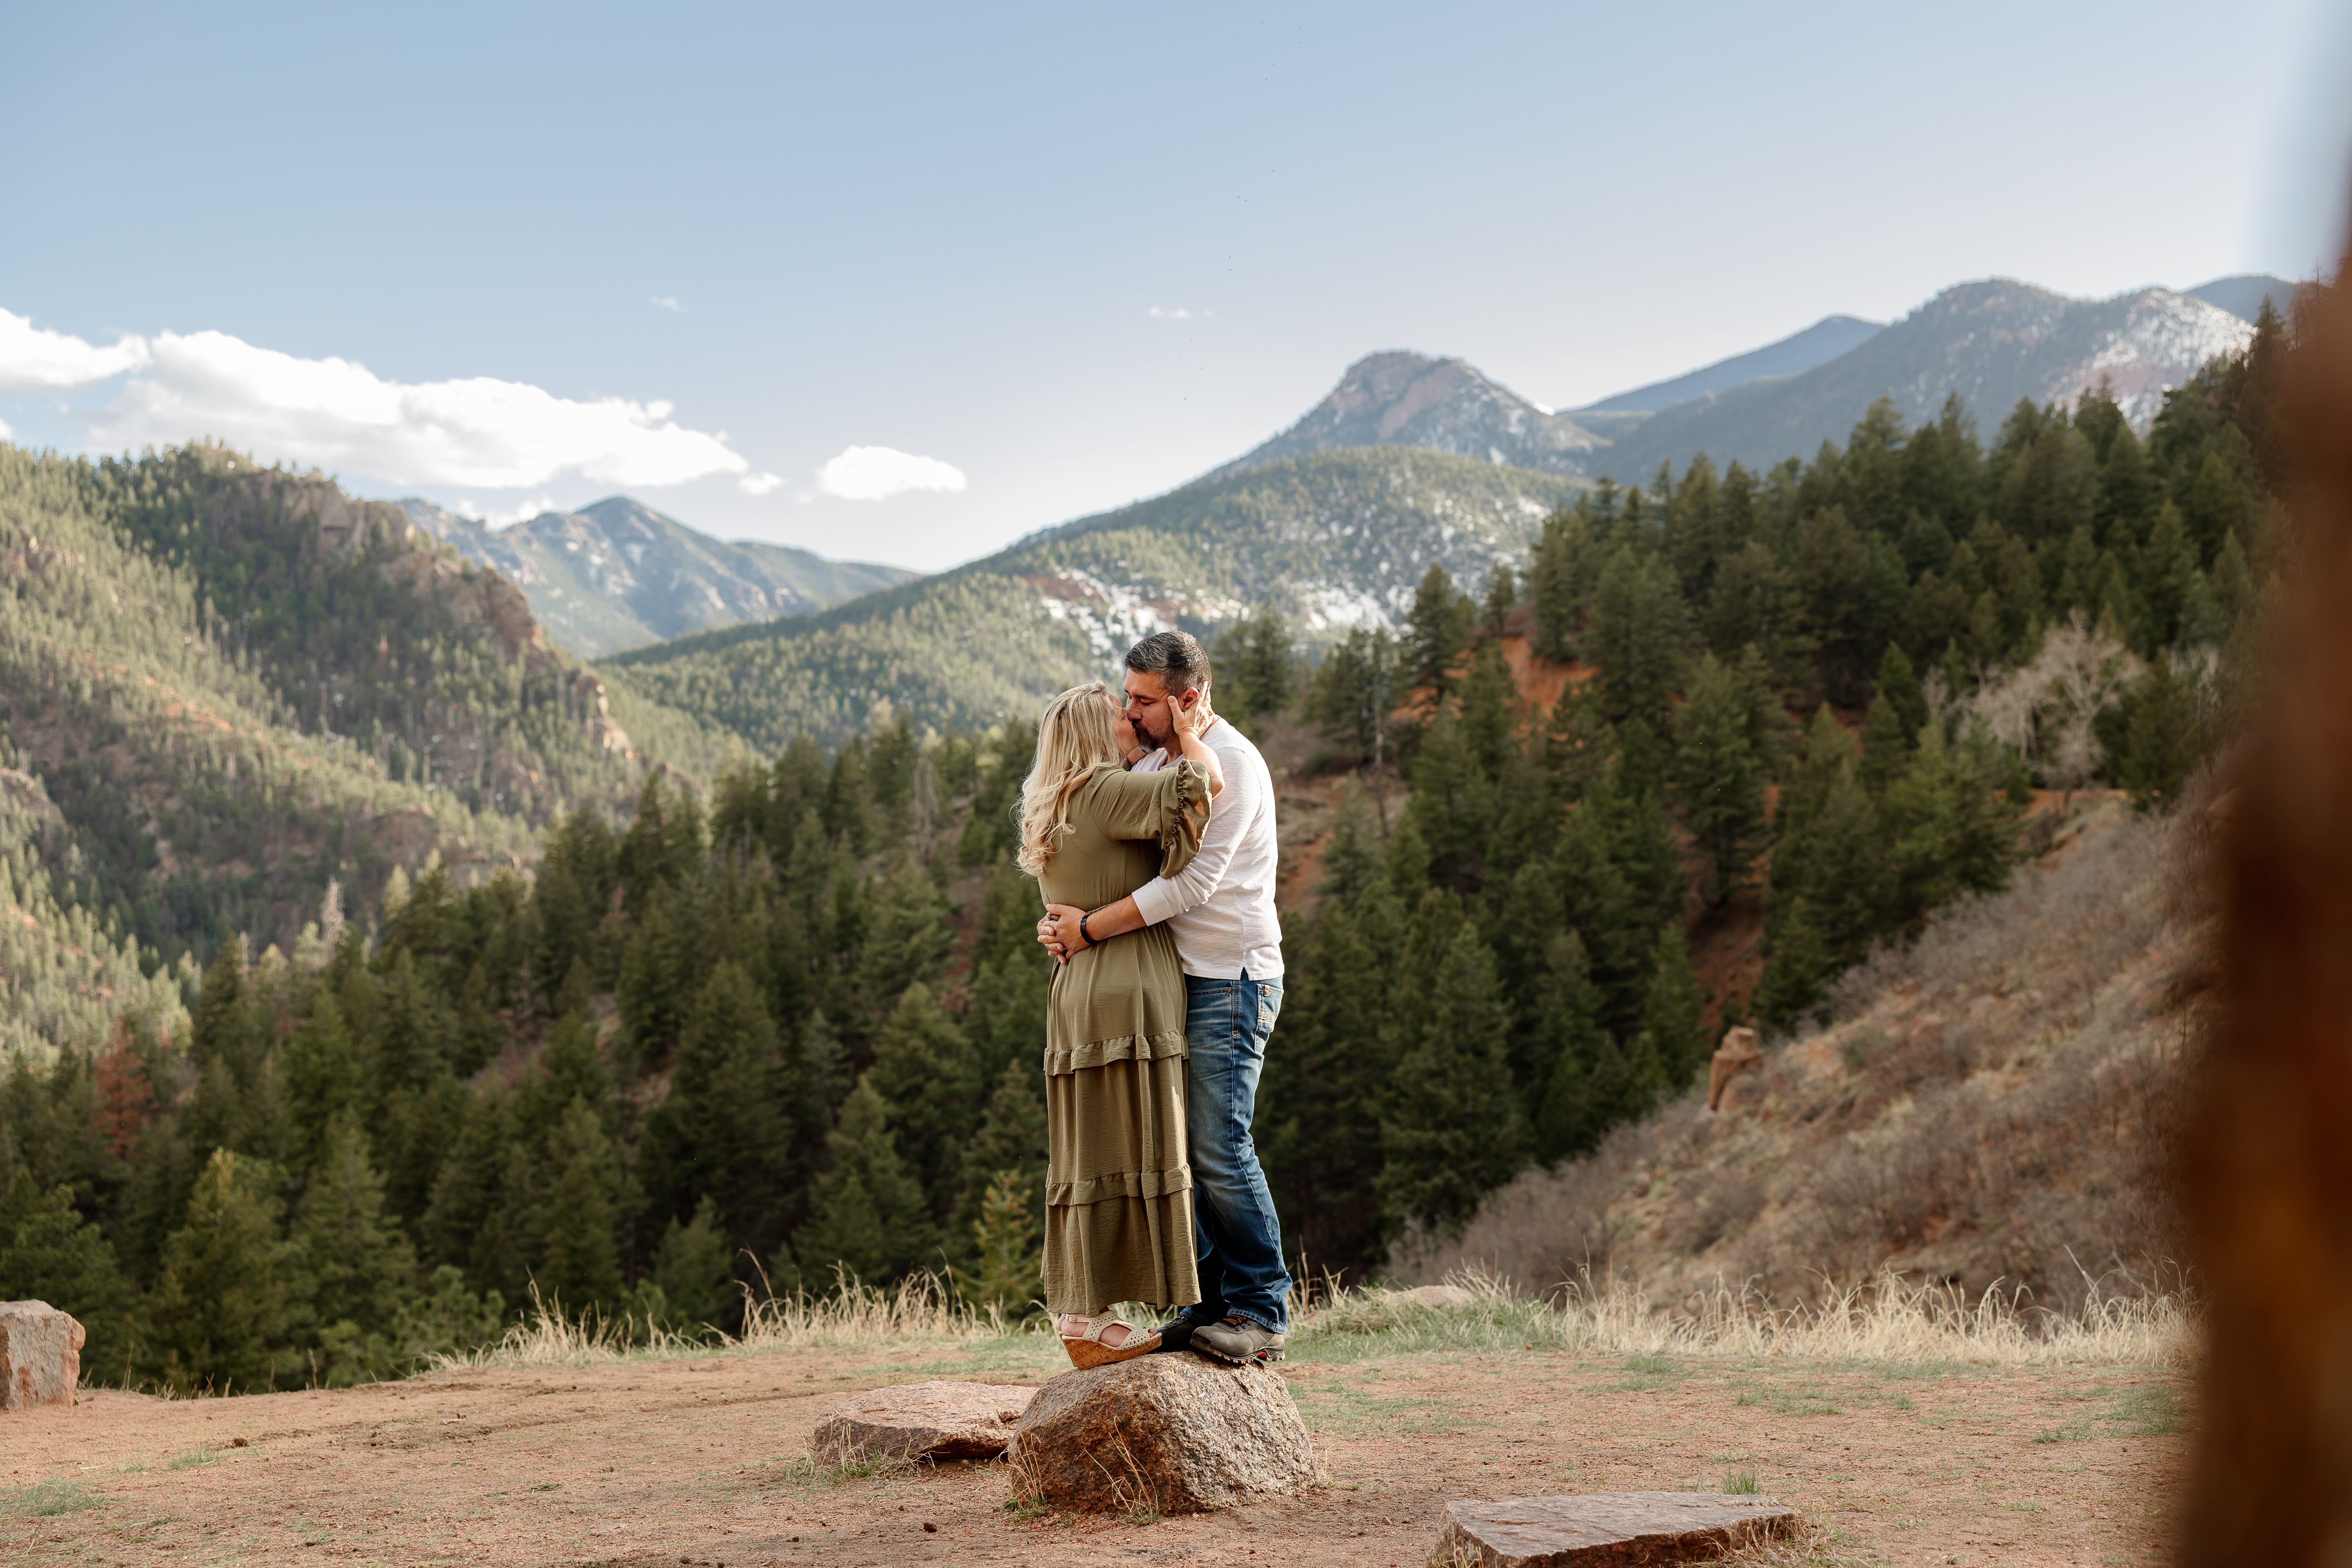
1221, 911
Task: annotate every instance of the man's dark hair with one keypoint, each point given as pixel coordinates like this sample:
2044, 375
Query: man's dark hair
1176, 658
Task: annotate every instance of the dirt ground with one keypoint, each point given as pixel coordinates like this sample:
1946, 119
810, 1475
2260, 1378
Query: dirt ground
703, 1462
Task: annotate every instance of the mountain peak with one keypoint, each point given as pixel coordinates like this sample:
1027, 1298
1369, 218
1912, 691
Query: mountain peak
616, 574
1398, 397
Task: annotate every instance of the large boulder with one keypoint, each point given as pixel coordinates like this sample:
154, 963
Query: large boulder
40, 1355
1618, 1530
922, 1421
1164, 1434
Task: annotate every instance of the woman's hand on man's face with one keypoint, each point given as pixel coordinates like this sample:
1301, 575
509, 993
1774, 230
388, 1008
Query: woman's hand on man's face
1193, 718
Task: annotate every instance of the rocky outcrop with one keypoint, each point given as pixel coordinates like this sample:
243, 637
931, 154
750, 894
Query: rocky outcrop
1606, 1529
1162, 1434
922, 1421
40, 1355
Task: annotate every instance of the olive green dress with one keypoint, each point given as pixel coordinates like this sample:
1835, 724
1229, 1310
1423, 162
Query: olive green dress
1119, 1186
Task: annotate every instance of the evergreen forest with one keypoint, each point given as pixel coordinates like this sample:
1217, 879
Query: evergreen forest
784, 1027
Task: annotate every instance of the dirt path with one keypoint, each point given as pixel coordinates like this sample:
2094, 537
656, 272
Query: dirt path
701, 1462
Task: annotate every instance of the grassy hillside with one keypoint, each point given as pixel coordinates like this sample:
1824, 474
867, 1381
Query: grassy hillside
235, 684
1332, 539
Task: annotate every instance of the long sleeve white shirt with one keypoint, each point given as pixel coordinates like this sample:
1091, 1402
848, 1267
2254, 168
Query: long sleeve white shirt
1220, 908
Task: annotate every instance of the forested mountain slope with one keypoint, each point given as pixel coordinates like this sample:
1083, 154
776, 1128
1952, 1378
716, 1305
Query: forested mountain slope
619, 574
1993, 1105
1329, 539
237, 684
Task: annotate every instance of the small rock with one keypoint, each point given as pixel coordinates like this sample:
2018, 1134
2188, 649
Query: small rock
1170, 1433
923, 1421
1606, 1528
1440, 1295
40, 1355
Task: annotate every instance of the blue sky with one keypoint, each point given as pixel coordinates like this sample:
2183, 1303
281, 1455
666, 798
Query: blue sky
749, 263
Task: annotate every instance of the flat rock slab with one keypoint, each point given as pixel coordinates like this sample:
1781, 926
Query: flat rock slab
1605, 1527
1168, 1434
923, 1421
40, 1355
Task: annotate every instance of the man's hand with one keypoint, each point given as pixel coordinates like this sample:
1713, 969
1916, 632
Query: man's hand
1058, 932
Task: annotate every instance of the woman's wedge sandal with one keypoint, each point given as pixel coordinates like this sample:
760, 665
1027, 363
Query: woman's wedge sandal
1088, 1350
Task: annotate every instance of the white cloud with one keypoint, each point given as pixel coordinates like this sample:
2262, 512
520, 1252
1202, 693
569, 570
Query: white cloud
668, 302
877, 473
336, 413
758, 484
521, 513
33, 359
7, 434
1176, 315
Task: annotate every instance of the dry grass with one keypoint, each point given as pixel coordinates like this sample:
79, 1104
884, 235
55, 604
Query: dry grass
924, 1306
1888, 1319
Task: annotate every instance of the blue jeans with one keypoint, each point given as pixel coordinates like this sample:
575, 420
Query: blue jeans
1226, 1023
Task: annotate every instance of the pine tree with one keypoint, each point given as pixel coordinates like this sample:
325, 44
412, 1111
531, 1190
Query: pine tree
868, 1213
324, 1075
927, 1075
1356, 688
48, 1252
1636, 638
1011, 1272
694, 1267
578, 1214
2162, 745
657, 973
1562, 581
1437, 631
1455, 1129
1719, 777
1009, 1143
352, 1271
217, 1320
1953, 822
2213, 504
724, 1128
1502, 597
1674, 1016
906, 939
1254, 666
1567, 1121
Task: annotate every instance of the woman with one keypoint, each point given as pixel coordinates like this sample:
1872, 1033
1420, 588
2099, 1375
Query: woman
1118, 1191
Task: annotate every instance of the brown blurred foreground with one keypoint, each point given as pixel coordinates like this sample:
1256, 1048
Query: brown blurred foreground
2268, 1178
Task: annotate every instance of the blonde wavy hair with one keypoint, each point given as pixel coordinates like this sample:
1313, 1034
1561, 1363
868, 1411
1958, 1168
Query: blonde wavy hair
1074, 739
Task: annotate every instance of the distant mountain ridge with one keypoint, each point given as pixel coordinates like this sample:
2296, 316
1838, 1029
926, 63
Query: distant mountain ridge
1332, 539
619, 574
1993, 343
2242, 296
1823, 340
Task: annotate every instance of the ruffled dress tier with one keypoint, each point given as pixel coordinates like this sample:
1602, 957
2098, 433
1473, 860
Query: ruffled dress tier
1119, 1186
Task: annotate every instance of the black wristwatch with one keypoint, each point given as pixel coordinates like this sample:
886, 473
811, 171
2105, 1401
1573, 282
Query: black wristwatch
1083, 937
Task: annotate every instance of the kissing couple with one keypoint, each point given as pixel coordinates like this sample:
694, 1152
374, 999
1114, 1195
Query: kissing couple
1149, 824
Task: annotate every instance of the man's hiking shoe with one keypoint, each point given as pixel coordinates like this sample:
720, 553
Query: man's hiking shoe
1176, 1334
1238, 1341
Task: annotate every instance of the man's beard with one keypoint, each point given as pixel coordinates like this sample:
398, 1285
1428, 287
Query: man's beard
1156, 742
